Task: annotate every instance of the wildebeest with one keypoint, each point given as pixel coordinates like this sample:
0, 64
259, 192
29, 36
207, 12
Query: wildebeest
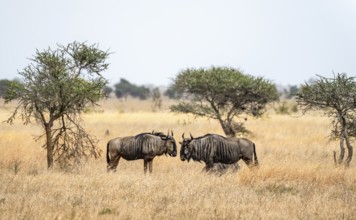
213, 149
142, 146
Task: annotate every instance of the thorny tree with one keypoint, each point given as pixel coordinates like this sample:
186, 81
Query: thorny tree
337, 98
57, 86
223, 94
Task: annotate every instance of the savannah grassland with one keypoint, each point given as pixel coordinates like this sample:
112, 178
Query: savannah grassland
296, 179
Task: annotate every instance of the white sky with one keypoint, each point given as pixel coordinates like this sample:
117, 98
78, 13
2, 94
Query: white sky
285, 41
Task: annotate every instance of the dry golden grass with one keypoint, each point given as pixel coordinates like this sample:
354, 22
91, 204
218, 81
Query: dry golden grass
296, 180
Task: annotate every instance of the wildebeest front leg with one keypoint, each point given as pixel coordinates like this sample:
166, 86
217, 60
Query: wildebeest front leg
209, 166
150, 162
145, 161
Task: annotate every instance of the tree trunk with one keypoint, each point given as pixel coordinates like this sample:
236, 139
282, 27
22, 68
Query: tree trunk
349, 155
349, 150
226, 125
49, 145
342, 148
343, 136
228, 129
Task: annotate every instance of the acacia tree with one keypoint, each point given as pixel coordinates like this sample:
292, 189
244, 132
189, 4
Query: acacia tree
337, 98
57, 86
223, 93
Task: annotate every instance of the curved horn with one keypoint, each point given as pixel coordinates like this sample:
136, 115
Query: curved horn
183, 136
172, 133
191, 136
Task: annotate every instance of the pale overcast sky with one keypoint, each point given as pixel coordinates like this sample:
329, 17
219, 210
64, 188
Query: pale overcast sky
285, 41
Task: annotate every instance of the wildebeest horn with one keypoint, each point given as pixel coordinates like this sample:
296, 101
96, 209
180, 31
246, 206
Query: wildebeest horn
191, 136
153, 131
183, 136
172, 133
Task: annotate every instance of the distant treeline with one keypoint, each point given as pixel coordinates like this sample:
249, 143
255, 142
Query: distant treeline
4, 83
124, 89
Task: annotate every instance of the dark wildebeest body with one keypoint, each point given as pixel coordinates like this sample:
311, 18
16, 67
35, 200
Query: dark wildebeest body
219, 152
142, 146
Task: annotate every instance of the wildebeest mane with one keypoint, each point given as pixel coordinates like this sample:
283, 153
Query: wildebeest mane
209, 135
159, 134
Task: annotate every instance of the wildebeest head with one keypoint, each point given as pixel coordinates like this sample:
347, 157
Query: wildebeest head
186, 149
170, 144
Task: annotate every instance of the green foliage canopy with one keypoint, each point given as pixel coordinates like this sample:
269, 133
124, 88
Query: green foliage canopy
222, 93
56, 87
336, 94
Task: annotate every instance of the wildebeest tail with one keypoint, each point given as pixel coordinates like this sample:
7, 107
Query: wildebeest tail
107, 152
255, 155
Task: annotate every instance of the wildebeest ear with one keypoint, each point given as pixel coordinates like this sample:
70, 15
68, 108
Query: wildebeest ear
191, 136
183, 136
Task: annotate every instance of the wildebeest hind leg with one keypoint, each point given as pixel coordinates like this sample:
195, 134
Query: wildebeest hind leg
113, 163
247, 161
